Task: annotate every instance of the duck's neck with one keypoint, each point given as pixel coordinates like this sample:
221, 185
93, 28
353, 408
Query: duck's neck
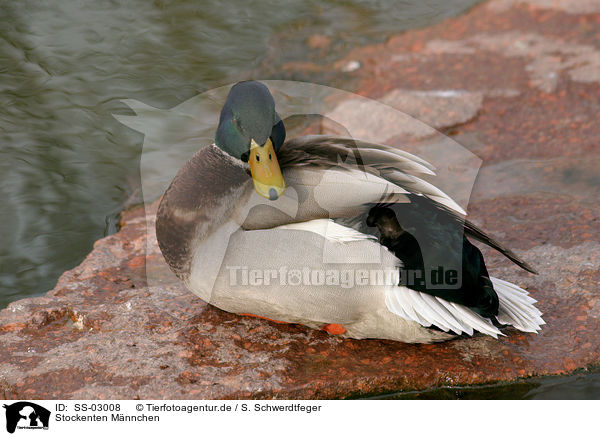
201, 197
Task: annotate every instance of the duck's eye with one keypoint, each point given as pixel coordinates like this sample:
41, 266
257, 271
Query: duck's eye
270, 156
257, 158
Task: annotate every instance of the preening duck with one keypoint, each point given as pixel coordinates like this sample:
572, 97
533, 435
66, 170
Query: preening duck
333, 233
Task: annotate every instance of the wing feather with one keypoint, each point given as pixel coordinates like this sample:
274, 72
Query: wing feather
516, 307
396, 166
428, 311
399, 168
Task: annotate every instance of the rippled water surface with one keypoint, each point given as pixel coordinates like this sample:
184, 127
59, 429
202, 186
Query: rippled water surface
67, 166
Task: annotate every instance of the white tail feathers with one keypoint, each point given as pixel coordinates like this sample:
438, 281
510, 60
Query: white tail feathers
516, 307
428, 310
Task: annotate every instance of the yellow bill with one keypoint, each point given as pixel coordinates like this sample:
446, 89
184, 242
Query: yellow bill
264, 167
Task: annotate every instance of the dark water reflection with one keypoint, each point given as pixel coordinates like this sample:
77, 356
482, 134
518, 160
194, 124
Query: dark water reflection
575, 387
67, 166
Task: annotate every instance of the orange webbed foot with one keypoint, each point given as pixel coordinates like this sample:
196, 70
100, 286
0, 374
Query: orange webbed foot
334, 329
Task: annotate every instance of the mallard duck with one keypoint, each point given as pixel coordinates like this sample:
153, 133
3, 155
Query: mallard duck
332, 233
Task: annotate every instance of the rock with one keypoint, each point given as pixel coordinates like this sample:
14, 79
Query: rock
421, 113
106, 331
318, 42
547, 57
438, 108
569, 7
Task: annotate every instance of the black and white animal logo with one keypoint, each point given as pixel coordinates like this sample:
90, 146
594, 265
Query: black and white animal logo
26, 415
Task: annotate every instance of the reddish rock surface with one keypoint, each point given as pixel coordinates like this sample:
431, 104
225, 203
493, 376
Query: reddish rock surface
528, 74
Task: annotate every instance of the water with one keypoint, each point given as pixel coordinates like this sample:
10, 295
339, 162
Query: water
67, 166
574, 387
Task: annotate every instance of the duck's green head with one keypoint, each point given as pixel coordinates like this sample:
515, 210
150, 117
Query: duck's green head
250, 130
